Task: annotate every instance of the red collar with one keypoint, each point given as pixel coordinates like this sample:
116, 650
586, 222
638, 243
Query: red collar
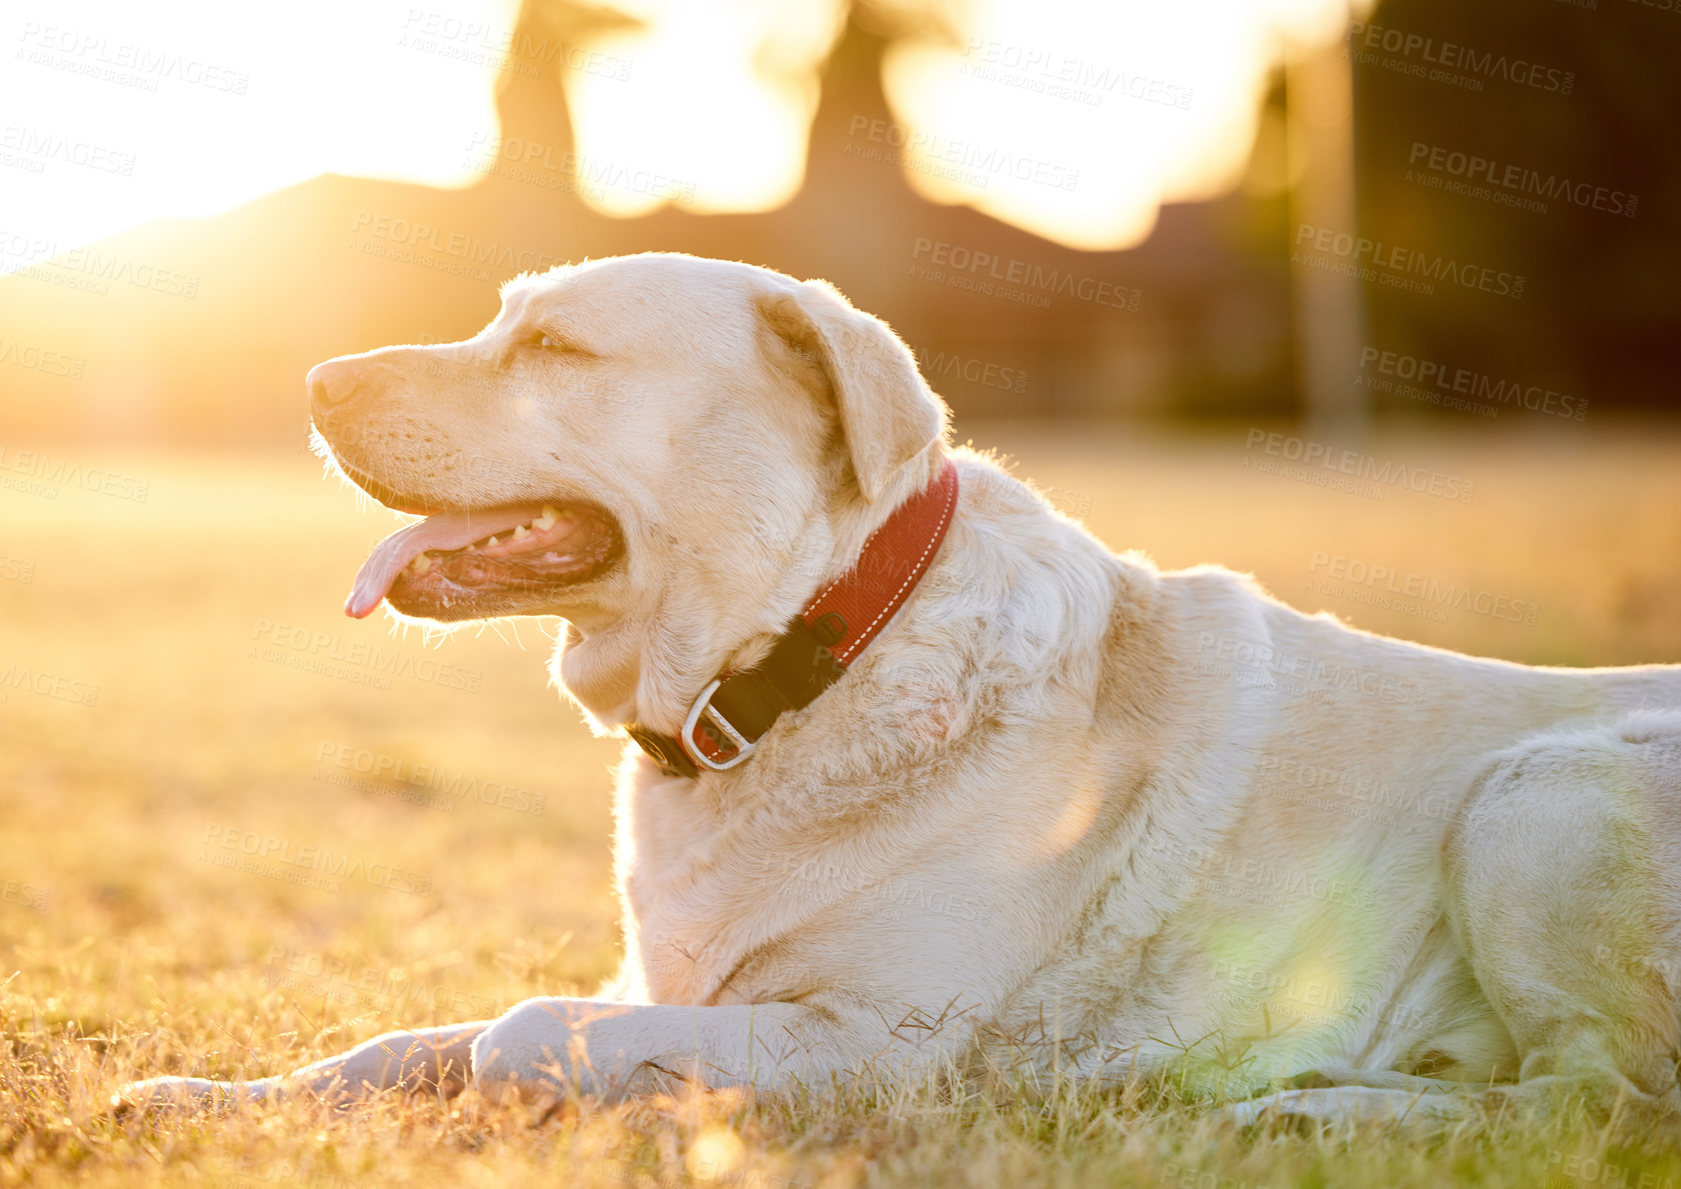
812, 653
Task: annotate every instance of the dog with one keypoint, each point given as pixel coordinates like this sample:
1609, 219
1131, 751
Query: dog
923, 780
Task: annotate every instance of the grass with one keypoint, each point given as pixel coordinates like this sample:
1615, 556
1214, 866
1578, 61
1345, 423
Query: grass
236, 709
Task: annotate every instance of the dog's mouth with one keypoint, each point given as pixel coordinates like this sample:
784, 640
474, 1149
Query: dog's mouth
475, 563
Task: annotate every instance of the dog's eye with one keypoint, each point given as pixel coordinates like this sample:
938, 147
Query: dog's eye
551, 344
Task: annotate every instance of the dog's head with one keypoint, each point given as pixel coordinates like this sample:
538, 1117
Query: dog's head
649, 446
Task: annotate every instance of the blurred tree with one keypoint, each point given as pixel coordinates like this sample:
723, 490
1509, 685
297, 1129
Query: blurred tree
1599, 316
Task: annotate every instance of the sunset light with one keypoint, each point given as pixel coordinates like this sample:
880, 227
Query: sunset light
823, 594
117, 114
1015, 113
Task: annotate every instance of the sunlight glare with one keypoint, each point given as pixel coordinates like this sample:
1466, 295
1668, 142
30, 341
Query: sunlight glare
1077, 119
714, 1154
715, 110
120, 113
1073, 119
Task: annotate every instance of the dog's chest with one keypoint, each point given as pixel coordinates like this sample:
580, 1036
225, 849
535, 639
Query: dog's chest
698, 884
789, 894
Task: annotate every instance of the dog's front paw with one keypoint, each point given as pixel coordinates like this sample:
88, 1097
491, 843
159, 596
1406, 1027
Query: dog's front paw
1311, 1109
175, 1093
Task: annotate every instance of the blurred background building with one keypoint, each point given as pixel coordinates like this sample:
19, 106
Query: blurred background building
1419, 210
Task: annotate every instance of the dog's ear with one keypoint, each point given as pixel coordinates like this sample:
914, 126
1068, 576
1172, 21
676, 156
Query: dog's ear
888, 414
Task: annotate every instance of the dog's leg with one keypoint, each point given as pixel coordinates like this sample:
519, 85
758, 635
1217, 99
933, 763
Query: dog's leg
1327, 1076
1352, 1104
436, 1060
1565, 889
547, 1046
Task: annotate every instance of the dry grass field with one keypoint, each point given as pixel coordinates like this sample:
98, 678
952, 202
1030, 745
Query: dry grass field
165, 909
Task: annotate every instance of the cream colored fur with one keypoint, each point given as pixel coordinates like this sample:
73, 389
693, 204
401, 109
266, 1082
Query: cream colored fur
1067, 812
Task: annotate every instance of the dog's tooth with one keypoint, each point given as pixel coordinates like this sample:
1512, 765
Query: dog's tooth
421, 564
521, 532
492, 541
547, 520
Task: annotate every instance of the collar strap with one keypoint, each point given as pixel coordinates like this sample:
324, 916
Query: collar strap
813, 651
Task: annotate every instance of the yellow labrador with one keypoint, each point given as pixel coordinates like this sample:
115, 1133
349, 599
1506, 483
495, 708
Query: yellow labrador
1063, 810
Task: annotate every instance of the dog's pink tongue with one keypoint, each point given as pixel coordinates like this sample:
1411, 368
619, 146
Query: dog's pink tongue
446, 530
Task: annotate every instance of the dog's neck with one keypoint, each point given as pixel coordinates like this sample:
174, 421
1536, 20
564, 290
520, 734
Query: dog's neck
600, 673
649, 672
